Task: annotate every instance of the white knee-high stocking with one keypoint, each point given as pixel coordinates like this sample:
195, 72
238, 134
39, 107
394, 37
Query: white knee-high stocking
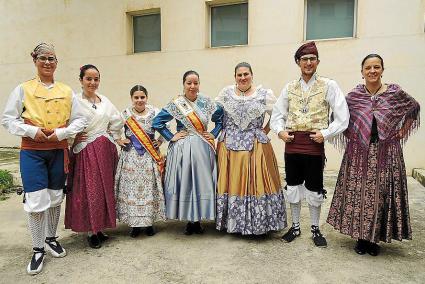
37, 224
296, 212
52, 220
315, 214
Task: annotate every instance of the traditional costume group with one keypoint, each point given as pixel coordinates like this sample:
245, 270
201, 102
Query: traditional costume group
235, 183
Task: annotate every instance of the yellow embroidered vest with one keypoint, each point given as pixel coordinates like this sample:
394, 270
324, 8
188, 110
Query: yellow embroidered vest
47, 108
307, 110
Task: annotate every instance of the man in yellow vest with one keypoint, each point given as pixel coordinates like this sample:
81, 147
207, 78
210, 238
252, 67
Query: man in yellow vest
44, 113
309, 110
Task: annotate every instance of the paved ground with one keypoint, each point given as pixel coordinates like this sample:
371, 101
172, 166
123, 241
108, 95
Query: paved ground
419, 175
215, 257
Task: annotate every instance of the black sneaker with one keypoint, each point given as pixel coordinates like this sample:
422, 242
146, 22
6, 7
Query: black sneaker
291, 234
135, 232
93, 241
361, 246
373, 249
102, 236
36, 265
150, 231
189, 229
197, 228
54, 247
318, 238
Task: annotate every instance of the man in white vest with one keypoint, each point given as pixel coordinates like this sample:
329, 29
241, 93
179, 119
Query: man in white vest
310, 110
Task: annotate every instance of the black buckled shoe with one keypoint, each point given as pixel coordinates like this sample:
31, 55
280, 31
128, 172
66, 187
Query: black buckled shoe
36, 264
54, 247
150, 231
373, 249
102, 236
197, 228
189, 229
361, 246
135, 232
318, 239
94, 241
291, 234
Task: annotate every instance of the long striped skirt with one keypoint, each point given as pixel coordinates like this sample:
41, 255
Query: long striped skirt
370, 200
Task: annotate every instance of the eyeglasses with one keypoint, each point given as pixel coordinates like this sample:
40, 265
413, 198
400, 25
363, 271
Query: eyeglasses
306, 59
45, 59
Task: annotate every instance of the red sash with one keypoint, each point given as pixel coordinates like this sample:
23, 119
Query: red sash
199, 126
30, 144
146, 142
187, 110
302, 144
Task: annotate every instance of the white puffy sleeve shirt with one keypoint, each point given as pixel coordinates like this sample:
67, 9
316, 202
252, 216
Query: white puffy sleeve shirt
104, 120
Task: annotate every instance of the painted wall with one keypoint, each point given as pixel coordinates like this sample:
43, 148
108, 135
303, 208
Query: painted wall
99, 32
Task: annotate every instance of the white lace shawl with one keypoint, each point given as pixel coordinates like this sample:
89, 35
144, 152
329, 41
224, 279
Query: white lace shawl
245, 109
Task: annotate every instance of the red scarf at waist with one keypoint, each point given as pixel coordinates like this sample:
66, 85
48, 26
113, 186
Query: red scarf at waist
30, 144
303, 144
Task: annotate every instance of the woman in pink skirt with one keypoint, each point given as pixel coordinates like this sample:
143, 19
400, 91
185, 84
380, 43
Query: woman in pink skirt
90, 204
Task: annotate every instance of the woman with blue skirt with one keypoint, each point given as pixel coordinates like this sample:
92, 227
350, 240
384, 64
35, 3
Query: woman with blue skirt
191, 172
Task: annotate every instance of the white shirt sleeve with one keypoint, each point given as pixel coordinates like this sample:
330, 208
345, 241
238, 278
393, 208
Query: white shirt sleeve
270, 101
77, 121
12, 120
220, 98
116, 122
280, 112
341, 116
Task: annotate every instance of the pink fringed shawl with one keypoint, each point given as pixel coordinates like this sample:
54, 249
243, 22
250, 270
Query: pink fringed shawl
397, 116
394, 111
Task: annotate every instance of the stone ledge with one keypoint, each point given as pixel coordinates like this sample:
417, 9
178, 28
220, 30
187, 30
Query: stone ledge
419, 175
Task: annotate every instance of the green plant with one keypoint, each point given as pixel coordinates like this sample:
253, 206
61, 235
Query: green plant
6, 181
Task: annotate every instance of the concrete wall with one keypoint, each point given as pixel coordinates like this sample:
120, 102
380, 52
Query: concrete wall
99, 32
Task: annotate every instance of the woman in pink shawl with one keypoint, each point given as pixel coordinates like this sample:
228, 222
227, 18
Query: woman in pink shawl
370, 202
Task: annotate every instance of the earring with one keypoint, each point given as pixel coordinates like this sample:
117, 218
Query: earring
381, 76
362, 77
